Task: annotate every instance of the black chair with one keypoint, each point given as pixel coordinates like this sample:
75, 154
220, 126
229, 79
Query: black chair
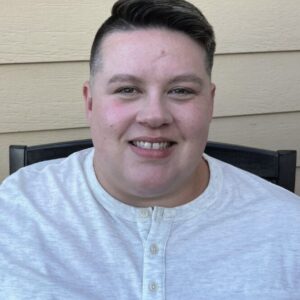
278, 167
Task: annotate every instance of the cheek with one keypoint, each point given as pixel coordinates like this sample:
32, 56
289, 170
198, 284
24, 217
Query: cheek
194, 121
112, 117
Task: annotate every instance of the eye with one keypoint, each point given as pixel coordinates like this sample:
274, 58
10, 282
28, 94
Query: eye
127, 90
181, 92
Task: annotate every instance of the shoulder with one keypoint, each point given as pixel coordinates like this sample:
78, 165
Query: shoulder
45, 176
41, 195
246, 188
239, 179
257, 208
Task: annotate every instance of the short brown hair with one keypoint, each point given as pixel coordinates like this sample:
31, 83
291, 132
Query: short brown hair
178, 15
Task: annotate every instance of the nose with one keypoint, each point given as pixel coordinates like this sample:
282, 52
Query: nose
154, 112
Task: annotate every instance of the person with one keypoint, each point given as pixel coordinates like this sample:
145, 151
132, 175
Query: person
144, 214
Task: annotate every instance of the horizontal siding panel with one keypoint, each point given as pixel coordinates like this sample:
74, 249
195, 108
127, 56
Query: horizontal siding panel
47, 31
257, 83
62, 30
254, 25
42, 96
48, 96
273, 132
35, 138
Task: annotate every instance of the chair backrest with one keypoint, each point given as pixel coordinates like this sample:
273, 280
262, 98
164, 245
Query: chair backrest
278, 167
21, 156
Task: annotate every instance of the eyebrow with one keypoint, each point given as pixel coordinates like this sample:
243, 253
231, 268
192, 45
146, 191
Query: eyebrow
187, 78
124, 78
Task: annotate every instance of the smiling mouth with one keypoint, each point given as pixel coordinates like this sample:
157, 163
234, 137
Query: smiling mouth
152, 145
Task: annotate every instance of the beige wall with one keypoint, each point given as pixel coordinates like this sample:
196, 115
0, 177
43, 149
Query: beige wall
44, 48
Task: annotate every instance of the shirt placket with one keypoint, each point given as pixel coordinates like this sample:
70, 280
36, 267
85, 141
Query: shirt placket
154, 226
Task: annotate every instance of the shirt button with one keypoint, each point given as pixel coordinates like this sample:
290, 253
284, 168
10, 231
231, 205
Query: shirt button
154, 249
152, 287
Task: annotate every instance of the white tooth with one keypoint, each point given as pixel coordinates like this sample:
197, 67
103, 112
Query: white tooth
147, 145
156, 146
141, 144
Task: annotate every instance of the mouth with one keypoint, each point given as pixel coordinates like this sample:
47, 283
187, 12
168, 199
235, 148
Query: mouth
152, 145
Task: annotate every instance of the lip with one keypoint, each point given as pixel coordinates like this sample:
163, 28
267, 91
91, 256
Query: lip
152, 139
152, 153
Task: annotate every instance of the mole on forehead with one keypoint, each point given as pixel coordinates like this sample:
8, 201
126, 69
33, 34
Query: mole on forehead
162, 53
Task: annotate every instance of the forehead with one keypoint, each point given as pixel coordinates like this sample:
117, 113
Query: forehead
150, 49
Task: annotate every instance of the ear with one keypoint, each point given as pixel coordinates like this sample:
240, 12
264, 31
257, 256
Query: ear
88, 102
212, 91
212, 97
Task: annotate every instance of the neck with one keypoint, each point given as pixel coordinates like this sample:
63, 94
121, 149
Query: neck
191, 189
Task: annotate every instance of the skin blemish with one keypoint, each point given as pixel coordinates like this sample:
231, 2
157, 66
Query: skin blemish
162, 54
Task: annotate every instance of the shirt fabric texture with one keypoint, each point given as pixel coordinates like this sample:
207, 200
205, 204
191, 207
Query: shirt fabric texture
62, 236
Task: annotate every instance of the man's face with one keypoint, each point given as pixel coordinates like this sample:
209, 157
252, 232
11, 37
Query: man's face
149, 110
